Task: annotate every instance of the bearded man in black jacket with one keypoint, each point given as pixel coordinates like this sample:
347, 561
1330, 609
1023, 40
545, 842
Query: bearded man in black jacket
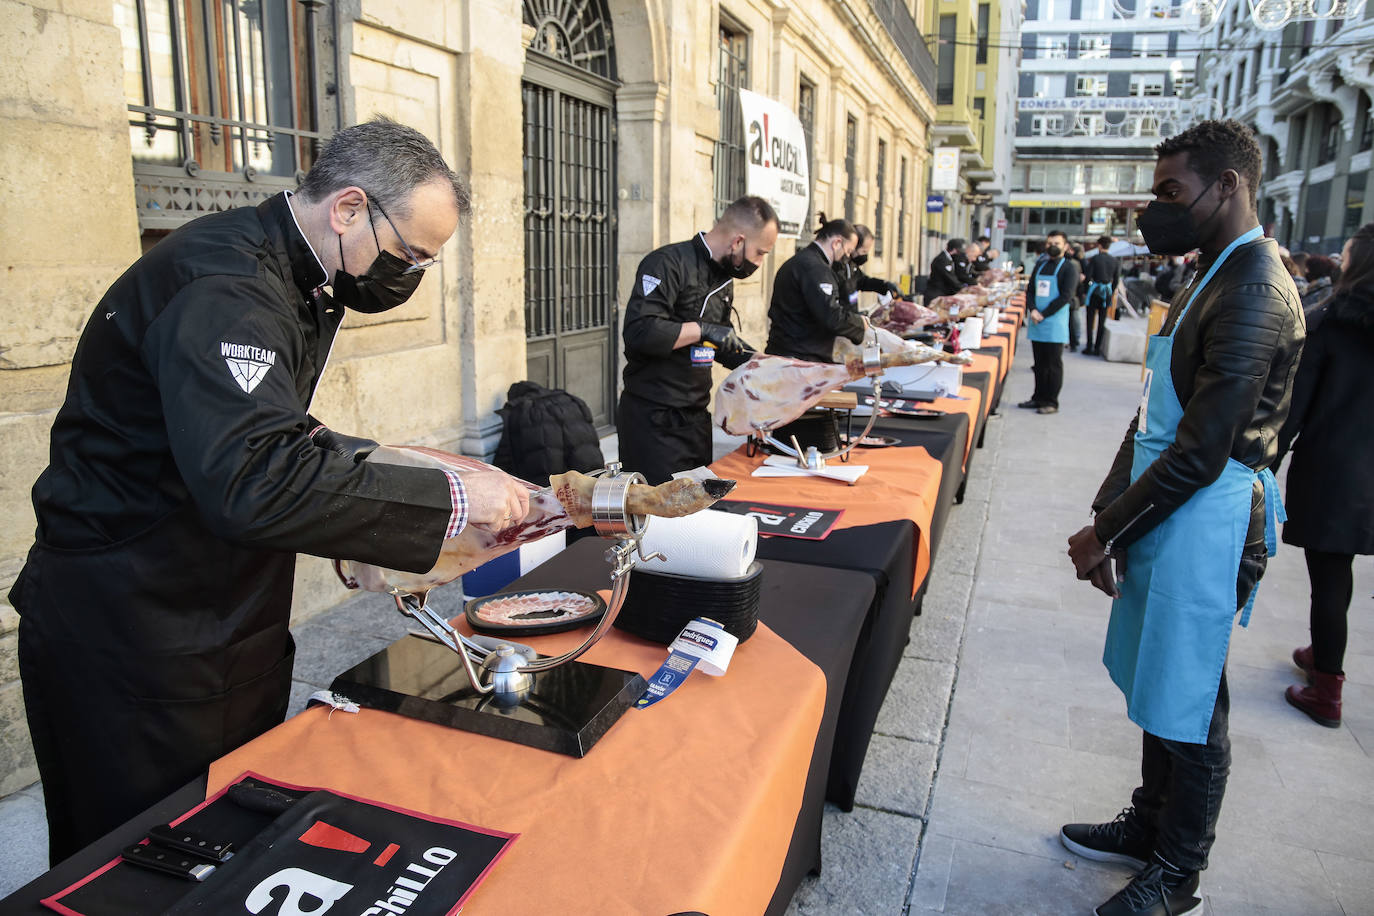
185, 474
1187, 509
806, 313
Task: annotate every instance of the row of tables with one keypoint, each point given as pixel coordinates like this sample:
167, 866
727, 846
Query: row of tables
734, 771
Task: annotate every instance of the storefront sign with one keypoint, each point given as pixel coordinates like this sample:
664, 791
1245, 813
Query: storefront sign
935, 203
775, 149
1051, 202
944, 170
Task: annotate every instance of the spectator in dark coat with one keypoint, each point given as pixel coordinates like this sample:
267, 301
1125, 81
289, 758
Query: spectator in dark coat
1330, 493
1321, 272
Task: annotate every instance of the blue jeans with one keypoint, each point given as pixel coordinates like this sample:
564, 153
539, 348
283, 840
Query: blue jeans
1182, 784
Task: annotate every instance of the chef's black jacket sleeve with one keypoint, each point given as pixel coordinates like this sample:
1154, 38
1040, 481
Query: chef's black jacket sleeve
651, 323
827, 311
245, 456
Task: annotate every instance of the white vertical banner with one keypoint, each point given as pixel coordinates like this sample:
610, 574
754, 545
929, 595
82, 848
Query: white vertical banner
775, 150
944, 170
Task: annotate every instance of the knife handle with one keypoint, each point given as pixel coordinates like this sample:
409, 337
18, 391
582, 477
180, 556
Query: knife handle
191, 843
168, 861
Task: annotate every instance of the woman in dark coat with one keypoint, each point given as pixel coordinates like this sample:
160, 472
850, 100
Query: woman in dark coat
1330, 493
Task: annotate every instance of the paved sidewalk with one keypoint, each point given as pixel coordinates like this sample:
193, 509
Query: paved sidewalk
1002, 706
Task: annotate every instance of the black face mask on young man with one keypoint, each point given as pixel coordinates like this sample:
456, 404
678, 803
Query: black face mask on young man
858, 260
1168, 228
741, 271
1053, 251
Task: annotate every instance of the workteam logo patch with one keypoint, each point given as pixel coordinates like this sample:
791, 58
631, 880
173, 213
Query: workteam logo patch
649, 284
248, 365
827, 288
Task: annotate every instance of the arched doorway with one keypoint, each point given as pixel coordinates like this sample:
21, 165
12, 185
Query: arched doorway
571, 304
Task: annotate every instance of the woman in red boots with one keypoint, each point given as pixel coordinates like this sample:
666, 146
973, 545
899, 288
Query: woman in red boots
1330, 497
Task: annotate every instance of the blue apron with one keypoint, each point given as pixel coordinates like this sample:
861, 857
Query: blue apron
1171, 628
1055, 328
1096, 289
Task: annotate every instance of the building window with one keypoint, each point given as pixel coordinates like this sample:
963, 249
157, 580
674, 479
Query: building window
1297, 131
1367, 125
901, 210
1183, 85
984, 16
1088, 125
1152, 45
1354, 202
1095, 10
882, 199
1094, 47
1046, 126
1035, 178
1330, 138
1046, 86
225, 101
1147, 84
1055, 9
732, 76
1091, 84
806, 113
851, 164
944, 86
1144, 126
1240, 82
1052, 47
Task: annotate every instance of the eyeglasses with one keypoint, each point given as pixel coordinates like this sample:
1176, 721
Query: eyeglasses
416, 265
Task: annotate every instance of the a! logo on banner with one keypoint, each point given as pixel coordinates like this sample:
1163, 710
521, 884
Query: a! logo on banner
248, 365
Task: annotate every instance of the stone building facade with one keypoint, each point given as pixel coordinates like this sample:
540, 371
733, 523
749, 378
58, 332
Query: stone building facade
590, 133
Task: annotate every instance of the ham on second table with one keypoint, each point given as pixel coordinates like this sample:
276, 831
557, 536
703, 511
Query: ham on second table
768, 391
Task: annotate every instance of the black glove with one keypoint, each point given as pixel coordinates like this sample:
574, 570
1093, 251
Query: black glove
354, 447
723, 336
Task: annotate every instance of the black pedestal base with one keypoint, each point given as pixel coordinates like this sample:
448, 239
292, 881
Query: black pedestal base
567, 711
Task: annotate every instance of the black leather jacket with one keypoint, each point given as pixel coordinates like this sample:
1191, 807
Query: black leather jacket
1234, 359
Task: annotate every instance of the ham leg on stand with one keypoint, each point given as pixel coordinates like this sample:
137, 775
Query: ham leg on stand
768, 391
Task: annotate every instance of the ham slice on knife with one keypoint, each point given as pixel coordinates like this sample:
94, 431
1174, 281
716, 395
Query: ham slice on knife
565, 503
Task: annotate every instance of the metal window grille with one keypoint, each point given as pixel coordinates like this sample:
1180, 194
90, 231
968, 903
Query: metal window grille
574, 33
882, 199
984, 15
733, 76
226, 100
901, 211
806, 113
851, 144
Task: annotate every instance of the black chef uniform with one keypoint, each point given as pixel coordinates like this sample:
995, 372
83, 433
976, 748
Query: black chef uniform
853, 280
949, 273
807, 313
181, 483
662, 420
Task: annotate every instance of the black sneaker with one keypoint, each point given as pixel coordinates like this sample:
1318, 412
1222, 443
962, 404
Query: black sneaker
1124, 840
1029, 405
1156, 891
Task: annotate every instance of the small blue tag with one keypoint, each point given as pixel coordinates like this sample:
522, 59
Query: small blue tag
671, 675
703, 356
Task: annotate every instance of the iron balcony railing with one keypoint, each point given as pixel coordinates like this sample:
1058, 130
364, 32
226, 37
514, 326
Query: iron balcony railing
896, 18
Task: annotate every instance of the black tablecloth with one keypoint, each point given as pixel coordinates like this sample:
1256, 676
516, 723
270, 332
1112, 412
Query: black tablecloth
822, 612
943, 437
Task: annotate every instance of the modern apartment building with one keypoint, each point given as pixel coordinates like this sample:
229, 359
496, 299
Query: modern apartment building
1100, 83
1306, 88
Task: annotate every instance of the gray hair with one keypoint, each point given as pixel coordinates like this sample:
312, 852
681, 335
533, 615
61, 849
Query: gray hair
387, 160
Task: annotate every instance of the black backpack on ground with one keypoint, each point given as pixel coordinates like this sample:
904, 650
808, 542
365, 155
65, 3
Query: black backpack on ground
546, 431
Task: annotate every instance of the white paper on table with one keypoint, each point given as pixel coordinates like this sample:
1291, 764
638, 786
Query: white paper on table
783, 466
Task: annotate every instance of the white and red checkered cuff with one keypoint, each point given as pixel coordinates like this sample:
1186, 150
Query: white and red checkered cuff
459, 494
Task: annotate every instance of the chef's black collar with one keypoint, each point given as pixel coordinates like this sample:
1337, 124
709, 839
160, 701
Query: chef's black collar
285, 236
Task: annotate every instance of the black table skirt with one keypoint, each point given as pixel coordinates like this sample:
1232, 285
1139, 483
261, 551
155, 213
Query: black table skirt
943, 437
822, 612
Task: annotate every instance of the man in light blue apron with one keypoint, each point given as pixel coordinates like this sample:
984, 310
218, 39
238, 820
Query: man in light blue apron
1053, 284
1185, 515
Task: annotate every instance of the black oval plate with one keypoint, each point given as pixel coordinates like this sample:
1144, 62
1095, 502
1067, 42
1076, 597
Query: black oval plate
887, 442
535, 626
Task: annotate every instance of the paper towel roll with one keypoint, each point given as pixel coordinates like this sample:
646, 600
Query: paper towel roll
710, 544
971, 334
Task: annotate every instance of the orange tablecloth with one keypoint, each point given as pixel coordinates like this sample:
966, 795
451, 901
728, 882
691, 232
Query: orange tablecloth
972, 401
688, 805
900, 483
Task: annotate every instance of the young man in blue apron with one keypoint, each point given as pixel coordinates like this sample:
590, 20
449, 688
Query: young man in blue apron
1053, 284
1185, 514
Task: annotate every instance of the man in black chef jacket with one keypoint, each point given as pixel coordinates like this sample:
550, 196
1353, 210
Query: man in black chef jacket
807, 312
949, 272
677, 323
185, 474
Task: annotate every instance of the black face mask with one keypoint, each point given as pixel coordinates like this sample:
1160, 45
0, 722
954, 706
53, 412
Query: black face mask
1053, 251
859, 260
1169, 229
741, 271
385, 285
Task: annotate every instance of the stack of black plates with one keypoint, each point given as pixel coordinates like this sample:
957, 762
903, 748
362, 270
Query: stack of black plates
658, 605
